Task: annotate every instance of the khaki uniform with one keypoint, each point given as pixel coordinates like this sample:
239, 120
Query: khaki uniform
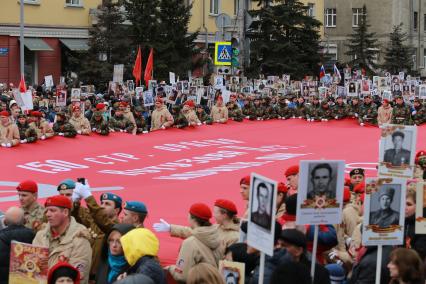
203, 246
384, 115
160, 117
81, 124
129, 115
43, 128
229, 234
72, 246
9, 134
34, 216
219, 114
350, 218
191, 116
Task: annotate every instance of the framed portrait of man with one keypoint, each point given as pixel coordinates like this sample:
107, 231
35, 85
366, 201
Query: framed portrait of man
139, 92
61, 98
384, 210
148, 98
422, 92
261, 219
320, 193
75, 94
421, 208
352, 89
232, 272
397, 150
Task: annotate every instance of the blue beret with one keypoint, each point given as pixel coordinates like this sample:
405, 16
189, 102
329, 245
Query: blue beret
135, 206
66, 184
113, 197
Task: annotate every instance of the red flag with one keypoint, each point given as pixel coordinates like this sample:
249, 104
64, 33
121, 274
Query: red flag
22, 86
137, 69
149, 67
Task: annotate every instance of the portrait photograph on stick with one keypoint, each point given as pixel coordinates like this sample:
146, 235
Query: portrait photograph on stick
320, 193
261, 219
384, 211
397, 150
420, 208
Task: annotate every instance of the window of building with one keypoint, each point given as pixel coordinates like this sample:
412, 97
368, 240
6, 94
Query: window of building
415, 20
236, 6
33, 2
311, 9
424, 22
330, 18
214, 7
356, 16
78, 3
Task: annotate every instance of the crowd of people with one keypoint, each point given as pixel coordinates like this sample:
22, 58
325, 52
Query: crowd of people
108, 242
123, 111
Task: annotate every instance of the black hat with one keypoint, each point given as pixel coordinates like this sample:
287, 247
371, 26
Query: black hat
357, 171
294, 237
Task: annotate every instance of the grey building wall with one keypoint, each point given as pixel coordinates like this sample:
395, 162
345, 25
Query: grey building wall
382, 15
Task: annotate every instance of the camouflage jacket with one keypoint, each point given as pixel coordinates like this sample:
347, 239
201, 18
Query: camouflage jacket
351, 109
326, 113
235, 113
27, 132
204, 117
99, 126
301, 111
420, 116
141, 125
314, 111
272, 111
284, 111
368, 113
340, 111
121, 123
401, 114
247, 109
64, 127
34, 217
180, 120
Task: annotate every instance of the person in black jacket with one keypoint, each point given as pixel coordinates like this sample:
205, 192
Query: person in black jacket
112, 262
364, 272
15, 231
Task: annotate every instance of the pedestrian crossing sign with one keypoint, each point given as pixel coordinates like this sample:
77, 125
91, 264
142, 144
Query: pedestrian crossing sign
223, 53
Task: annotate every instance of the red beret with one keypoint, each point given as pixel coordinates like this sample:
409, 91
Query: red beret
386, 101
293, 170
76, 108
123, 104
226, 204
233, 96
58, 201
219, 99
201, 210
28, 185
245, 180
100, 106
282, 187
36, 114
420, 154
159, 100
4, 113
359, 188
346, 194
190, 103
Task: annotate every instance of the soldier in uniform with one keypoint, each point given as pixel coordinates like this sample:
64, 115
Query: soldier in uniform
99, 124
203, 116
258, 111
141, 125
219, 112
247, 109
385, 216
120, 123
34, 212
340, 109
301, 110
314, 110
326, 111
234, 111
283, 112
354, 108
79, 121
384, 113
160, 117
62, 127
401, 113
397, 156
271, 108
9, 133
419, 112
356, 177
27, 133
125, 109
134, 213
42, 127
368, 113
189, 113
178, 117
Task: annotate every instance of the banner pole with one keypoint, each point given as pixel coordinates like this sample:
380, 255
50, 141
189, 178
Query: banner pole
379, 263
314, 253
262, 267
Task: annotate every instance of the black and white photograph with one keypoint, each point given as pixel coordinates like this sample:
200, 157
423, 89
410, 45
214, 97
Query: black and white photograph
352, 89
232, 272
384, 211
139, 92
397, 150
148, 98
422, 91
152, 84
130, 85
320, 192
75, 94
261, 225
387, 95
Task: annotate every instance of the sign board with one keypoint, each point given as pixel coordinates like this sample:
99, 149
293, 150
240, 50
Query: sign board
4, 51
118, 73
223, 53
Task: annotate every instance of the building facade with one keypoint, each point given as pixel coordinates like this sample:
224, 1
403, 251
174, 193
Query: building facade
50, 27
341, 17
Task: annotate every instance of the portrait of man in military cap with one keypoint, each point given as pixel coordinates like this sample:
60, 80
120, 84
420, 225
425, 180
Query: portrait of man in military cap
397, 155
384, 208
